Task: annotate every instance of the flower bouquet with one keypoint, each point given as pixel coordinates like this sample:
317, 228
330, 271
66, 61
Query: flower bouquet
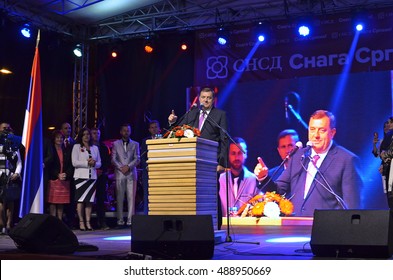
270, 204
182, 131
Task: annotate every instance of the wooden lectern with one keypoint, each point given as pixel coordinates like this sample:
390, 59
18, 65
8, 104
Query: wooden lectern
182, 177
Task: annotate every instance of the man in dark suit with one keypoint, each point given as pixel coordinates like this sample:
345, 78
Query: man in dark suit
69, 209
323, 177
154, 131
211, 122
286, 142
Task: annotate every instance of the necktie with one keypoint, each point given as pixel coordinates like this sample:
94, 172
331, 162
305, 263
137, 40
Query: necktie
315, 159
125, 146
66, 143
202, 119
235, 187
311, 171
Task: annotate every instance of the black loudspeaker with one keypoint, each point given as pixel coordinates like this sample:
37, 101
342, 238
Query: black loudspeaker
173, 237
43, 233
352, 233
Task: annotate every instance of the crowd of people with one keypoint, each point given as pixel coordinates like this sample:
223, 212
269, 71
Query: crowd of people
322, 175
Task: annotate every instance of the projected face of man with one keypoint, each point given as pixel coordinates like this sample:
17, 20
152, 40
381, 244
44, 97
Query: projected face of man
286, 145
236, 157
320, 134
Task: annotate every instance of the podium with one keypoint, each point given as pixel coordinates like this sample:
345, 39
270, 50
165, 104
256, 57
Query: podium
182, 177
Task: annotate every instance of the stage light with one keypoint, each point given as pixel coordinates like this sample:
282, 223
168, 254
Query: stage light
261, 31
114, 53
78, 50
359, 20
183, 46
359, 27
304, 30
222, 36
149, 48
5, 71
26, 31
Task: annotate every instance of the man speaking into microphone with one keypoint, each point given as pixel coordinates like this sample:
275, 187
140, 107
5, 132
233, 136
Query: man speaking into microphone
323, 175
209, 120
212, 123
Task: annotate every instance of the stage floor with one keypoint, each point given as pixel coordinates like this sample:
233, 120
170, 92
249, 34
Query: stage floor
249, 242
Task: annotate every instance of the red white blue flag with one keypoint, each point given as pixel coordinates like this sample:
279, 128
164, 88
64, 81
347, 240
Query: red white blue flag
32, 200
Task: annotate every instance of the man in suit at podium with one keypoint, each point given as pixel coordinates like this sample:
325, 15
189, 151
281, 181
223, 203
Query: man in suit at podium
211, 122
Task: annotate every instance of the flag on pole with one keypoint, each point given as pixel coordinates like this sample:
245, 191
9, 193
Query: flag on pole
32, 200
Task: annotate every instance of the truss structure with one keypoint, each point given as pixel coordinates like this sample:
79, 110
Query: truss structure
172, 15
80, 91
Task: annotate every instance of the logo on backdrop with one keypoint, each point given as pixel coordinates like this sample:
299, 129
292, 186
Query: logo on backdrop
217, 67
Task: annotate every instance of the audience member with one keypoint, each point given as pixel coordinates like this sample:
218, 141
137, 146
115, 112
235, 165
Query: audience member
85, 159
241, 182
324, 176
125, 159
386, 155
102, 178
66, 130
154, 130
69, 209
60, 171
10, 174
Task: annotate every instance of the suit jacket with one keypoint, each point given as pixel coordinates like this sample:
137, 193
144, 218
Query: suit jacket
79, 158
246, 190
211, 131
120, 158
340, 168
53, 164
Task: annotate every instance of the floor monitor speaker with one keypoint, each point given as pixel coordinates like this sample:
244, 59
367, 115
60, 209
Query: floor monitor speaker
352, 233
43, 233
173, 237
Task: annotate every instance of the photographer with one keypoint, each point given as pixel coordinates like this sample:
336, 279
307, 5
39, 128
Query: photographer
10, 179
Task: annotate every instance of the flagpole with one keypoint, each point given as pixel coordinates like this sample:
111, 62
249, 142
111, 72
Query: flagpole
38, 38
32, 197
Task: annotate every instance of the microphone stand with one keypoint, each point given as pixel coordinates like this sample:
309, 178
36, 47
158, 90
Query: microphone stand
228, 238
328, 187
297, 116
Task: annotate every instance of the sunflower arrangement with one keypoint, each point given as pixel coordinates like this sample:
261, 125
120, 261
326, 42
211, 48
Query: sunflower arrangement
270, 204
181, 131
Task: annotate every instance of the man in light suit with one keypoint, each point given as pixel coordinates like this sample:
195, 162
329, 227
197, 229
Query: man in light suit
325, 176
241, 182
125, 158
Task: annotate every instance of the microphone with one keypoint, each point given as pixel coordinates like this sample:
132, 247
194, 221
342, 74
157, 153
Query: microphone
286, 109
193, 106
306, 151
298, 146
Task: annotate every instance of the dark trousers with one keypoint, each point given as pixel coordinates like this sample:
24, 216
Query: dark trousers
145, 183
101, 184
